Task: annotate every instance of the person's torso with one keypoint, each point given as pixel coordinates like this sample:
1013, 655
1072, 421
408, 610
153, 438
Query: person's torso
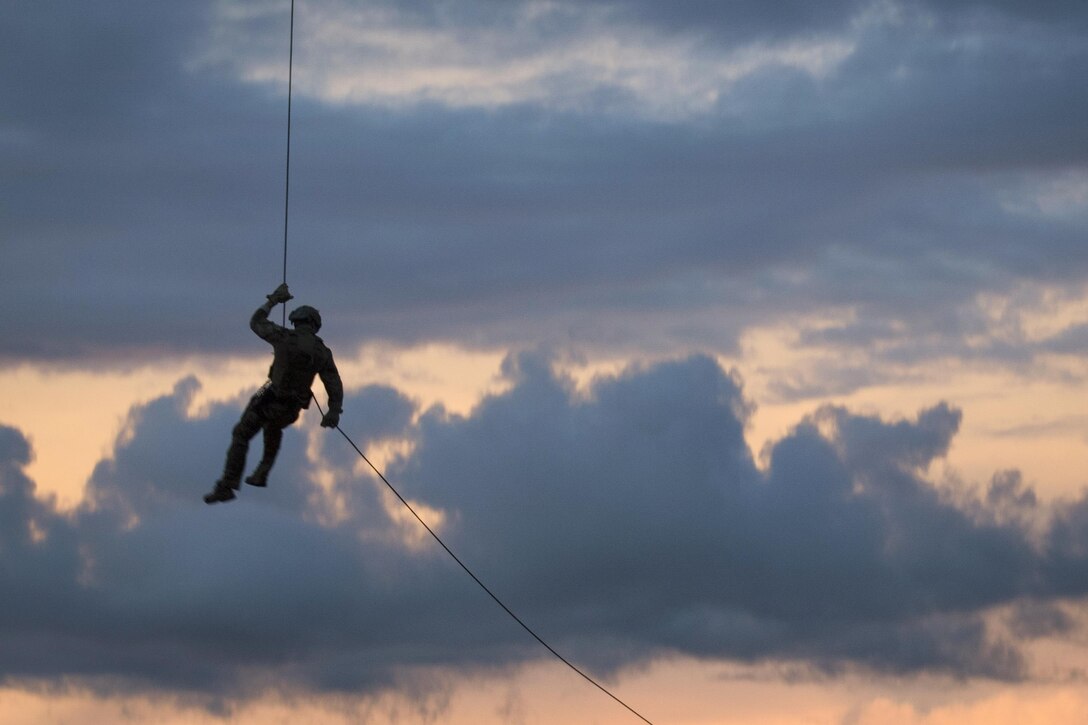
297, 359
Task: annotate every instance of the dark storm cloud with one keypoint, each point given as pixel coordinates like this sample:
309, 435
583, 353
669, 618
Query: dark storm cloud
623, 525
123, 202
144, 182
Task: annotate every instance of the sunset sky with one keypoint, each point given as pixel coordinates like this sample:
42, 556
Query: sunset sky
739, 347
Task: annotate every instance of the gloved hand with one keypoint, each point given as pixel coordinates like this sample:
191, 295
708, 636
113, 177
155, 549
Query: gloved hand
330, 419
280, 294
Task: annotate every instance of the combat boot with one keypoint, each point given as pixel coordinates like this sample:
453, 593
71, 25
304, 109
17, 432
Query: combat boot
222, 492
259, 477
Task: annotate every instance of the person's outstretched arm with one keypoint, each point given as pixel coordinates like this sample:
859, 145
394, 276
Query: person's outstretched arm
330, 378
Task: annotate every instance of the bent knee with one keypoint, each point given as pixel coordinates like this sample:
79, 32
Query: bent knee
245, 430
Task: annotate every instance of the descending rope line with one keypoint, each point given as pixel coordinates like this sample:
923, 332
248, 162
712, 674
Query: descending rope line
287, 179
476, 579
286, 210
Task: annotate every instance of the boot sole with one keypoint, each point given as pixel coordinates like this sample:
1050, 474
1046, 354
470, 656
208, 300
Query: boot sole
217, 497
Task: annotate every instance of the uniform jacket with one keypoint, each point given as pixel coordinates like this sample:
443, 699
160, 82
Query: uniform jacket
298, 356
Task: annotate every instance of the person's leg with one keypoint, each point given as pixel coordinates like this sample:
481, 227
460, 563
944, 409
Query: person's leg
242, 434
247, 427
278, 416
273, 436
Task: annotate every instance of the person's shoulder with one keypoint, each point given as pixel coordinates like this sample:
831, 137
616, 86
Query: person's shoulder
277, 332
268, 330
325, 349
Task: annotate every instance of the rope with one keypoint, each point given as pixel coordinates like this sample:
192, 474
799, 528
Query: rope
287, 180
476, 579
286, 210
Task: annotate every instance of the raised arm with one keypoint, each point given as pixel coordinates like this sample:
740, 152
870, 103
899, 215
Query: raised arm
260, 323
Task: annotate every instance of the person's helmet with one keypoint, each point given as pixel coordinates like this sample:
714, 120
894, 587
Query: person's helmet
306, 315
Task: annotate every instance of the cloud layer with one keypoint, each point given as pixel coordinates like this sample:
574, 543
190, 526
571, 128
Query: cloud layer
612, 175
623, 524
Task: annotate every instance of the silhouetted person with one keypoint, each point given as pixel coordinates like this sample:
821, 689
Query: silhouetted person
299, 355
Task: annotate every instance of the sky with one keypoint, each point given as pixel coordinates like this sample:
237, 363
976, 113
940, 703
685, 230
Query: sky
739, 347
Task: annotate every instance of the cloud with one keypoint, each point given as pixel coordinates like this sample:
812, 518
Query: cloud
746, 165
580, 57
1059, 704
624, 524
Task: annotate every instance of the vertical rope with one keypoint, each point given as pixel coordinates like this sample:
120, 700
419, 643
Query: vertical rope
287, 180
286, 210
